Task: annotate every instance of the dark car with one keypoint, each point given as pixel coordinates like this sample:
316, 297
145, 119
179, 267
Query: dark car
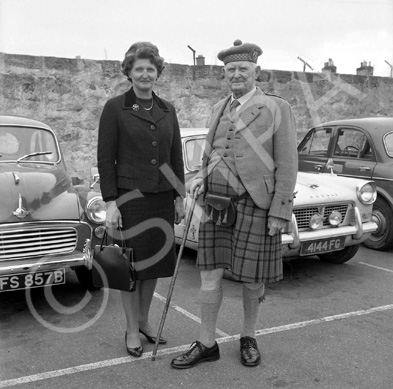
361, 148
47, 225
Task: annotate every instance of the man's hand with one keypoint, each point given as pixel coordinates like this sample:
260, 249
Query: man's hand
275, 225
196, 187
113, 216
180, 212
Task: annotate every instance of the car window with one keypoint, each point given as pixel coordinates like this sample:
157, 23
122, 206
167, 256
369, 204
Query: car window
194, 153
43, 141
8, 143
352, 143
16, 142
317, 143
388, 141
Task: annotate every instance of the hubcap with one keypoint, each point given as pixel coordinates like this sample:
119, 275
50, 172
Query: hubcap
379, 218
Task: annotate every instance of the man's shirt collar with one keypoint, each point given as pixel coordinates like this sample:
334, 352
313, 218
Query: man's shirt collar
242, 100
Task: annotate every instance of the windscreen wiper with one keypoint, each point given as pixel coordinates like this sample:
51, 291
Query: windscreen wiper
33, 155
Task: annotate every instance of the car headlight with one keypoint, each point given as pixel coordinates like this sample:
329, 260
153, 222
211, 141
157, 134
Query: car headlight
367, 193
316, 221
335, 218
96, 210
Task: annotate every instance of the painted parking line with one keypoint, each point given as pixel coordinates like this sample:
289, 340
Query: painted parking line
186, 313
376, 267
179, 349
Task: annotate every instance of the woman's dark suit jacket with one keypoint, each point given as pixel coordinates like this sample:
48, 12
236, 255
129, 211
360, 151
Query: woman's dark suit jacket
137, 152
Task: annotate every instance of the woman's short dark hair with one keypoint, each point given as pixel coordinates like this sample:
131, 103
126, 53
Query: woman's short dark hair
142, 50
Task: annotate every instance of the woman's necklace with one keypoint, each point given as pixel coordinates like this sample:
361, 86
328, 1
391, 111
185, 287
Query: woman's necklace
148, 109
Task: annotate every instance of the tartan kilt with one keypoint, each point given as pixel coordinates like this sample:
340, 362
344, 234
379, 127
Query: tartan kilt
245, 248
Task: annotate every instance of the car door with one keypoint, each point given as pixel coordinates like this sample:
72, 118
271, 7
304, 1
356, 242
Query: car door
313, 151
353, 153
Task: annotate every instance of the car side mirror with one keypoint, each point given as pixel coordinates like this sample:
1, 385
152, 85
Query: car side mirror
96, 180
330, 166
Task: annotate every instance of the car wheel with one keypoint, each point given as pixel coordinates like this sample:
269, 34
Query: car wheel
85, 278
382, 238
341, 256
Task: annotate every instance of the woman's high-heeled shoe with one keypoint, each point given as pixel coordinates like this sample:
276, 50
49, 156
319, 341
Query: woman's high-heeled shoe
134, 351
152, 339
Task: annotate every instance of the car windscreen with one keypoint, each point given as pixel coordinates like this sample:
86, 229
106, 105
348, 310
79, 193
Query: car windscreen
18, 142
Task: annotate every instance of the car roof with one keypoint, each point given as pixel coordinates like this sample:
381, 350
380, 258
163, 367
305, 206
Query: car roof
11, 120
375, 124
193, 131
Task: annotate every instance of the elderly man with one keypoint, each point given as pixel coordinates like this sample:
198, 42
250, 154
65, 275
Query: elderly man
249, 175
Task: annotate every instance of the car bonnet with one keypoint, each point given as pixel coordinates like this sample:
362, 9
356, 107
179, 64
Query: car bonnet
30, 195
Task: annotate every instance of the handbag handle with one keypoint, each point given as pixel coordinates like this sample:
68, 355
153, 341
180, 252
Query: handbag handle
105, 240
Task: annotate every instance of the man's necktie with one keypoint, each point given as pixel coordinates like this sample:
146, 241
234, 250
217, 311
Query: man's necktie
234, 105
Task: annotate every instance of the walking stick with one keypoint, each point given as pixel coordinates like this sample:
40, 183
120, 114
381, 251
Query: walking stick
172, 284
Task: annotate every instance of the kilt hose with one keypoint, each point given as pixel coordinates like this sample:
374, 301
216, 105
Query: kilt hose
245, 248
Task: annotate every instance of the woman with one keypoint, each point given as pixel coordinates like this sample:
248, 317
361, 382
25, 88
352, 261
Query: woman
142, 182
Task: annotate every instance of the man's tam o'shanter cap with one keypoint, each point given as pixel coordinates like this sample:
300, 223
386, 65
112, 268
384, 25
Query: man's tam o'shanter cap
240, 52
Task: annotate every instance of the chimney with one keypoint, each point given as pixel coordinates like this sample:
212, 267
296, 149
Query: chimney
365, 70
329, 67
200, 60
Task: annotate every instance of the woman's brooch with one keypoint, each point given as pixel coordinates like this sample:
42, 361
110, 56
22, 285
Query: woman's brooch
135, 107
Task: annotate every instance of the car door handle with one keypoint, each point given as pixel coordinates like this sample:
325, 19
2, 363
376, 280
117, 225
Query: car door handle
364, 169
318, 167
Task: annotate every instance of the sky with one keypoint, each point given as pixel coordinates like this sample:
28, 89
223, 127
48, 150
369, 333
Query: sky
347, 31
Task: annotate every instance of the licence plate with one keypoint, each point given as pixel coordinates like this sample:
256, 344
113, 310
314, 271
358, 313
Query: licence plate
32, 280
322, 245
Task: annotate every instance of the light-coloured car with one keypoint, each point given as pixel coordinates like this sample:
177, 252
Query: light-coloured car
331, 217
47, 225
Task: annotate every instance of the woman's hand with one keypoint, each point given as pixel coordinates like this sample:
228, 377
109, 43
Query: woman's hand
113, 216
180, 213
196, 187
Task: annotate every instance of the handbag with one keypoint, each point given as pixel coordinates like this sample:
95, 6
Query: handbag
222, 209
113, 266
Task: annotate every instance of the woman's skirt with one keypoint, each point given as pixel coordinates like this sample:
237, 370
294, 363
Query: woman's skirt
148, 228
245, 248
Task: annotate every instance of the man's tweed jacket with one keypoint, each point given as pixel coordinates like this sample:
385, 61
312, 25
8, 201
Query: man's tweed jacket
264, 149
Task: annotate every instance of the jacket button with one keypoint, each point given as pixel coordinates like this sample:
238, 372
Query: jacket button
227, 147
225, 155
153, 162
154, 143
152, 127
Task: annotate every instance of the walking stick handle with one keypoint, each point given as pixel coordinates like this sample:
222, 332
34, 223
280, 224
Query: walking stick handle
173, 280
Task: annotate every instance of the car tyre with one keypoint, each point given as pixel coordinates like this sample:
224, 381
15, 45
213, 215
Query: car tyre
341, 256
382, 239
85, 278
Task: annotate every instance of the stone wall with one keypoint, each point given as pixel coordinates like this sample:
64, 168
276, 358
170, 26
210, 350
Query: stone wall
68, 95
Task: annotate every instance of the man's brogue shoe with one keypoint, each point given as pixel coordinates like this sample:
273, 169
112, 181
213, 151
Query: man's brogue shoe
249, 353
196, 354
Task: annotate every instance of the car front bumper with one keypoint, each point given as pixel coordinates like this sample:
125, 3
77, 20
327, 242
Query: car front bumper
23, 246
48, 262
353, 234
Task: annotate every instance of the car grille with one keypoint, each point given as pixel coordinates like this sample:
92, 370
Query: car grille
303, 215
36, 242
